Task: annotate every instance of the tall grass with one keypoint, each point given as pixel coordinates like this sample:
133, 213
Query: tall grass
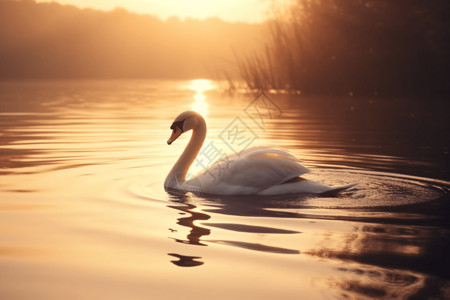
358, 47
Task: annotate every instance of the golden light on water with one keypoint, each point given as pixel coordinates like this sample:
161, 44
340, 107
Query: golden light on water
200, 86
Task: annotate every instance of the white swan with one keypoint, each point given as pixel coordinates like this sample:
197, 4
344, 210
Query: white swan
253, 171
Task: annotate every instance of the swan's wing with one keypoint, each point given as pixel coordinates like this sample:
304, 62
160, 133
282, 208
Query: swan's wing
250, 171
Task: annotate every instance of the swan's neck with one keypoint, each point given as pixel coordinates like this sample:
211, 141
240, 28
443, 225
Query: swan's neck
177, 175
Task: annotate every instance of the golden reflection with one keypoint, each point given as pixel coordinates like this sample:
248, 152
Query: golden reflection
200, 86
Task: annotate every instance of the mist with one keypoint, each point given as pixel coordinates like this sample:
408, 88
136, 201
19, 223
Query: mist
50, 40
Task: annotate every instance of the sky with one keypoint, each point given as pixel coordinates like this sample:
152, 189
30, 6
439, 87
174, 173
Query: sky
250, 11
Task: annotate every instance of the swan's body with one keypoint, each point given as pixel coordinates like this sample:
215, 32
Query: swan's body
253, 171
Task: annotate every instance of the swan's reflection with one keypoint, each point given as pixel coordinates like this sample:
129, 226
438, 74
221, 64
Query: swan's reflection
184, 204
186, 261
256, 206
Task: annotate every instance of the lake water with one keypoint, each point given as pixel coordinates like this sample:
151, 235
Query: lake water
84, 215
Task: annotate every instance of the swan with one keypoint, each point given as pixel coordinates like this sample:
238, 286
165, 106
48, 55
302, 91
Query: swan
259, 170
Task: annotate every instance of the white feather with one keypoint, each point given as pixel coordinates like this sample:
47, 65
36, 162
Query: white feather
250, 171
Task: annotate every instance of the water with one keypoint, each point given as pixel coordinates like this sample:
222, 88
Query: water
83, 213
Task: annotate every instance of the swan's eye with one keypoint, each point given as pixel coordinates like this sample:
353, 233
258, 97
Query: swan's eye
178, 124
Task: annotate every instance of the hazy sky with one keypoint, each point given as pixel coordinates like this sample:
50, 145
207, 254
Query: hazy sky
229, 10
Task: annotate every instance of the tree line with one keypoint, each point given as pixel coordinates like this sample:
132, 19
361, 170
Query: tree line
50, 40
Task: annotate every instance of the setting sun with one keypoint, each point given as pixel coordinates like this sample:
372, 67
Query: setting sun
251, 11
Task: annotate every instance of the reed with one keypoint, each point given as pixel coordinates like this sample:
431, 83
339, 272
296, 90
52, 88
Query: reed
354, 47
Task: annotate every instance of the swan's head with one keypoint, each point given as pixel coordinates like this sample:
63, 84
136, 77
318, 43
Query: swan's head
184, 122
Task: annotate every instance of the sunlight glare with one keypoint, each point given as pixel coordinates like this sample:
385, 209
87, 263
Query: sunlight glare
200, 86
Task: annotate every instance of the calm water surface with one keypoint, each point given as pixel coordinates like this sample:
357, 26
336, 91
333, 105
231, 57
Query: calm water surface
83, 212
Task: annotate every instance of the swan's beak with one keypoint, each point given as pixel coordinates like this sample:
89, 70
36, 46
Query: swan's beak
175, 134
